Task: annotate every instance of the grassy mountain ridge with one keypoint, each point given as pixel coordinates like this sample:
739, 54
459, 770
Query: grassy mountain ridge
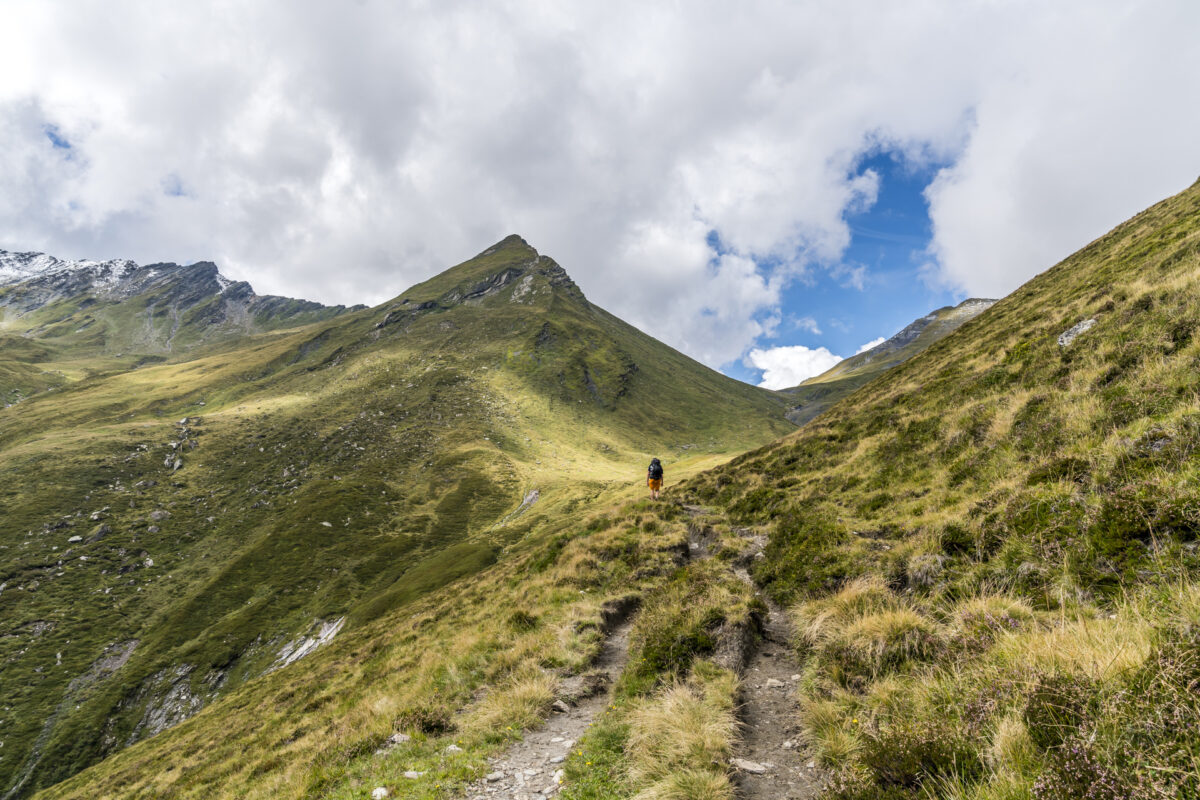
172, 530
820, 392
987, 552
990, 551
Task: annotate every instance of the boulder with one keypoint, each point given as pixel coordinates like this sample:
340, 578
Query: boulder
1069, 335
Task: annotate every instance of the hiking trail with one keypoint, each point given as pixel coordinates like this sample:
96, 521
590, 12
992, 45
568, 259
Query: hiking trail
530, 769
770, 761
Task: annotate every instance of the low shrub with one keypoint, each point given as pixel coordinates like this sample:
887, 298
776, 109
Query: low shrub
1057, 707
805, 556
1075, 770
908, 752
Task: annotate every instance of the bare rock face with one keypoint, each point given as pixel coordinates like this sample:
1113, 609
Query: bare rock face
171, 708
299, 648
168, 297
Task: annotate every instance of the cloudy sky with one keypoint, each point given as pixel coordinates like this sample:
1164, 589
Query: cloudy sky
766, 185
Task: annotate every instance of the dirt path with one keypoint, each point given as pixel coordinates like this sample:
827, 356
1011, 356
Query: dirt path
771, 762
531, 768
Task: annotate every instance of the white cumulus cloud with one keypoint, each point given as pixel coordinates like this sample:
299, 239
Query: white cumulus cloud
784, 367
869, 345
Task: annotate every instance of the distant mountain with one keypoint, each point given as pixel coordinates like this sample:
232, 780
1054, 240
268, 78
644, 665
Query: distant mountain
817, 394
178, 532
120, 307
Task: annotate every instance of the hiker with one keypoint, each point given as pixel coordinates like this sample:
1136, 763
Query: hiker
654, 478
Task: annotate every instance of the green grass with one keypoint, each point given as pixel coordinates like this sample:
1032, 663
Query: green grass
988, 548
989, 551
338, 470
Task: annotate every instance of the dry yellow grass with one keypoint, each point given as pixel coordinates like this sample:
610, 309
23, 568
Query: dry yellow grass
681, 737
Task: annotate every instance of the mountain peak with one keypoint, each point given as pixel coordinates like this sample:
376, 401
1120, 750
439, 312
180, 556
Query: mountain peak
511, 266
512, 241
821, 391
17, 267
179, 305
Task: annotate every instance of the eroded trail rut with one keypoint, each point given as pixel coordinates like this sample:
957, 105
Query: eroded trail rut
770, 759
530, 769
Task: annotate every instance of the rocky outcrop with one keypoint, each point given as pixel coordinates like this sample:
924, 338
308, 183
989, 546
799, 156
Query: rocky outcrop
299, 648
521, 282
173, 303
1066, 337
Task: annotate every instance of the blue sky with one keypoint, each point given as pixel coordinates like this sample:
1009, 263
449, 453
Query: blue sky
879, 285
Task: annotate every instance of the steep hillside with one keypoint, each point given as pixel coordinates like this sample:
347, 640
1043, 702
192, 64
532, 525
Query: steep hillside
990, 552
193, 530
819, 393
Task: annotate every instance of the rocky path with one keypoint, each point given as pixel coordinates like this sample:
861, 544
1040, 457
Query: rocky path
771, 761
532, 768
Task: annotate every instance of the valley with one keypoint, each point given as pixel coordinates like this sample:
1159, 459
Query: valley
206, 516
980, 561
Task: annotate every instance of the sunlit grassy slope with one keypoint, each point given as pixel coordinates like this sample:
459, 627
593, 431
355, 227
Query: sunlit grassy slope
169, 529
991, 551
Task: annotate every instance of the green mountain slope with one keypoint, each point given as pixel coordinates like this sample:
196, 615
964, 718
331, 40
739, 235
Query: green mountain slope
990, 551
818, 393
987, 552
176, 533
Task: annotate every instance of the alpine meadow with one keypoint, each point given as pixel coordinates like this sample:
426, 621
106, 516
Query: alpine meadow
255, 547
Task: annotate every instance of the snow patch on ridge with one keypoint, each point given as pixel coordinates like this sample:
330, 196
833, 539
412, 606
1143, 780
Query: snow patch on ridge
103, 275
17, 267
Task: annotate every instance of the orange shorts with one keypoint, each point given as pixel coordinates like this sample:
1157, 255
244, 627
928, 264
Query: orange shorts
655, 484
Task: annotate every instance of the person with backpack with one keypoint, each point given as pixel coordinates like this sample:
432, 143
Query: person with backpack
654, 478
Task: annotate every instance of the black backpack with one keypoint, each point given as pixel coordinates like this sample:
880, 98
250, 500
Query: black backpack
656, 471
